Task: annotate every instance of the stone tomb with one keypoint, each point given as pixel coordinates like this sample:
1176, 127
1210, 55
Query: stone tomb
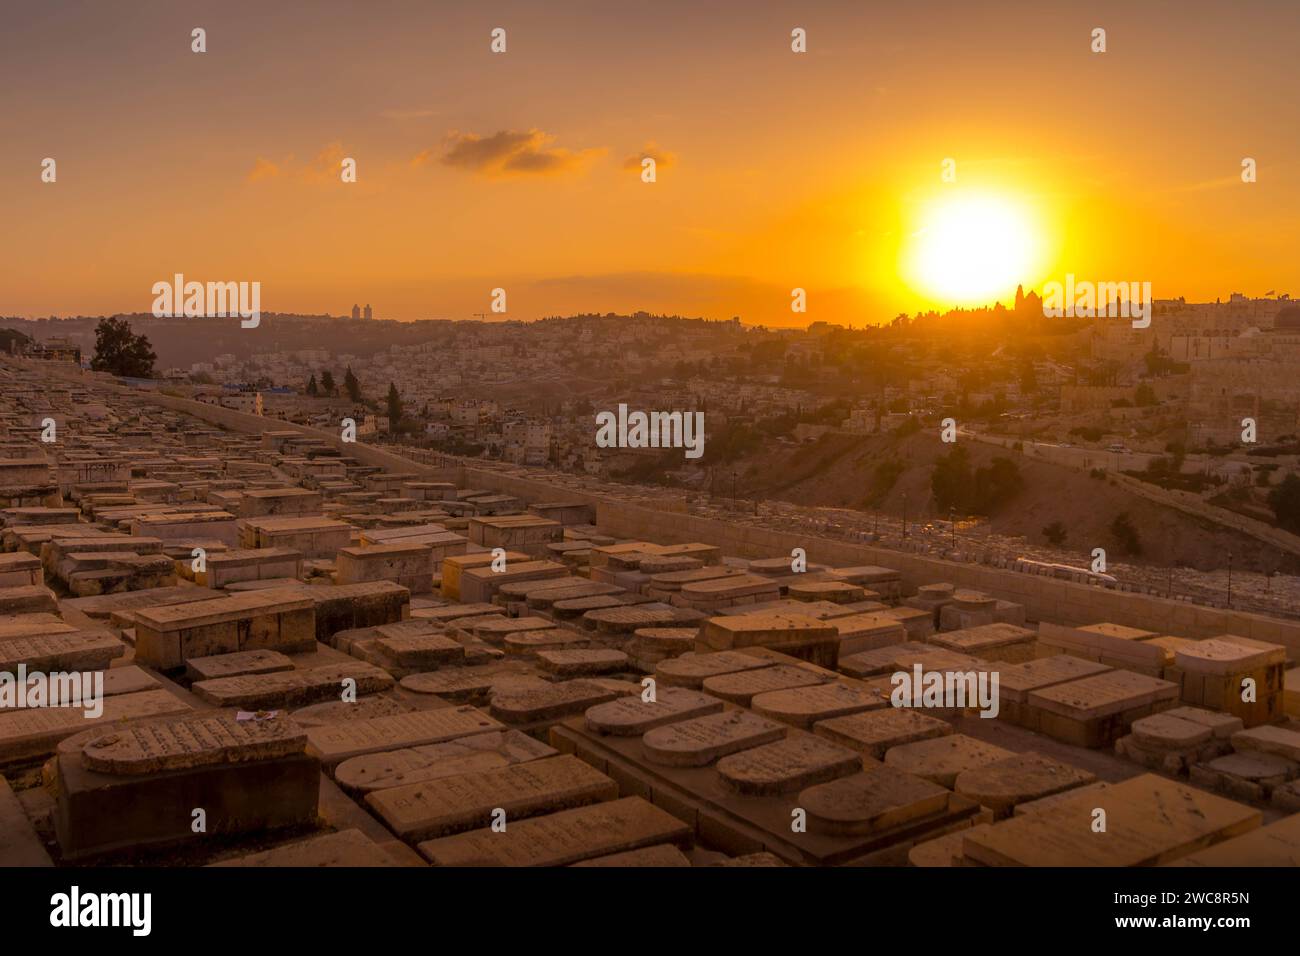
1001, 785
452, 804
1096, 711
784, 766
410, 565
801, 637
702, 740
335, 743
1149, 821
874, 732
559, 839
292, 688
412, 765
878, 799
941, 759
138, 785
1213, 674
276, 619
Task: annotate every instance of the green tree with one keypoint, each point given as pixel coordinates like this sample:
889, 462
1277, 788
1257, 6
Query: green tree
1285, 502
312, 389
351, 385
119, 351
394, 401
327, 383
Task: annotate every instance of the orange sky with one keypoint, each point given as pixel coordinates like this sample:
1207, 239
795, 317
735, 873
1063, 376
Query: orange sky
780, 170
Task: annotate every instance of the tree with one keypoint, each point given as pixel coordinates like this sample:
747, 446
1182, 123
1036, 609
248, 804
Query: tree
311, 386
1126, 534
951, 480
351, 385
394, 407
1055, 533
1285, 502
327, 383
119, 351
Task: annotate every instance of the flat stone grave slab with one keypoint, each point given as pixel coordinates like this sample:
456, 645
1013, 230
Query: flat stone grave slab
1275, 845
337, 742
1017, 682
447, 805
494, 630
631, 716
343, 711
420, 650
874, 732
664, 855
1102, 695
292, 688
554, 702
805, 706
702, 740
1277, 741
582, 662
559, 839
879, 798
784, 766
1164, 732
741, 686
625, 620
196, 741
71, 651
546, 598
410, 765
941, 759
570, 608
690, 670
237, 664
346, 848
1221, 725
879, 661
453, 611
1003, 784
461, 685
37, 731
988, 641
528, 643
1149, 821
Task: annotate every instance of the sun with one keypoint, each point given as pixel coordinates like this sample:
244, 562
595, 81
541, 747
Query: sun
972, 249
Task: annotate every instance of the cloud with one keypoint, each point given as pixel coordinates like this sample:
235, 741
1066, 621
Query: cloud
323, 168
508, 152
663, 159
263, 169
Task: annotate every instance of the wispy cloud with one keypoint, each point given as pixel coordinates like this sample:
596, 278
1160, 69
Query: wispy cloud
663, 159
507, 152
409, 114
324, 167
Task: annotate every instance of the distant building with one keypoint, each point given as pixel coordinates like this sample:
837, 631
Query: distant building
356, 311
369, 315
55, 350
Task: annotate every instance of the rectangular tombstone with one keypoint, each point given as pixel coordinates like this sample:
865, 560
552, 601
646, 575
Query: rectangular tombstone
273, 619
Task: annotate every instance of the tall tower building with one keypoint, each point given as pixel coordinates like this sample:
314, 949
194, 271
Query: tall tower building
356, 311
369, 315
